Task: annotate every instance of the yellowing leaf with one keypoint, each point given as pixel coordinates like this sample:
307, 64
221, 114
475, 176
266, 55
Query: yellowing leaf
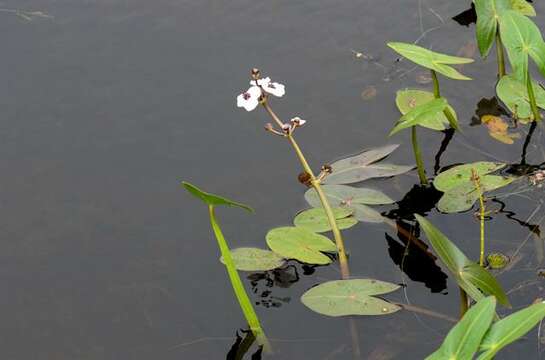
498, 129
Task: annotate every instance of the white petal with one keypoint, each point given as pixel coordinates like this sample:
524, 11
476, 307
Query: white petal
275, 89
263, 82
250, 99
297, 121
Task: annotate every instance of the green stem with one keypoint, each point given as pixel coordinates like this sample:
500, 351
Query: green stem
418, 158
477, 182
437, 94
532, 97
315, 183
500, 55
464, 303
238, 287
436, 91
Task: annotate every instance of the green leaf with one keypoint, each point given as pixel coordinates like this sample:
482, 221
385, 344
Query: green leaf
254, 259
509, 329
462, 341
364, 166
457, 175
420, 114
352, 198
300, 244
522, 38
212, 199
465, 194
316, 219
523, 7
431, 59
514, 94
408, 99
482, 279
350, 297
472, 280
488, 12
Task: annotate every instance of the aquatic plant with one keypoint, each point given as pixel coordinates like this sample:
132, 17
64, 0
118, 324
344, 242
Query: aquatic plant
244, 301
472, 279
487, 28
477, 334
423, 110
523, 39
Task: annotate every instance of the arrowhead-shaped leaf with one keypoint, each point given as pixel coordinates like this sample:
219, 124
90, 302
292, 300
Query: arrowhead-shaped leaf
514, 94
421, 114
431, 59
408, 99
212, 199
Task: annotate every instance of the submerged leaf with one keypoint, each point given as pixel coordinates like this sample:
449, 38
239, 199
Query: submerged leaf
514, 94
498, 129
212, 199
316, 219
300, 244
364, 166
431, 59
509, 329
353, 198
423, 113
350, 297
462, 341
408, 99
255, 259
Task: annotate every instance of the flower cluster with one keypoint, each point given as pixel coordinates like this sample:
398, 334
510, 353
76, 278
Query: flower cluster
250, 99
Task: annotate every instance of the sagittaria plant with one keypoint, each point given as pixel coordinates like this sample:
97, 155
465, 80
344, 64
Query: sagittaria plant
487, 29
269, 259
423, 108
523, 39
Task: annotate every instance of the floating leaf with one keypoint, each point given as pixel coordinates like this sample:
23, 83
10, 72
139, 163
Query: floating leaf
514, 94
363, 166
498, 129
300, 244
431, 59
421, 114
350, 297
457, 175
522, 38
469, 276
316, 219
509, 329
212, 199
255, 259
408, 99
462, 341
352, 198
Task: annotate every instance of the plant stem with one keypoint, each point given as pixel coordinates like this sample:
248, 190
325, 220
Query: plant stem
437, 94
532, 97
436, 91
500, 55
477, 183
463, 302
418, 157
315, 183
238, 287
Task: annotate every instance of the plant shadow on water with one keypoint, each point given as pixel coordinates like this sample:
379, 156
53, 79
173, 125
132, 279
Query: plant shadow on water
417, 264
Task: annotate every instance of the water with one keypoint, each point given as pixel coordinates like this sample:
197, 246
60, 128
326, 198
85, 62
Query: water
108, 105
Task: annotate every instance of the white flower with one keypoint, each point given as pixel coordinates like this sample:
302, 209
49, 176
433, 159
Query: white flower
270, 87
297, 121
249, 99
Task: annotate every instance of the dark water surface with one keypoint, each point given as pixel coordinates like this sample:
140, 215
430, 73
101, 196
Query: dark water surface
108, 105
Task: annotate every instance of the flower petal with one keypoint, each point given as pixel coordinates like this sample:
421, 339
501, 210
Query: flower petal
275, 89
249, 99
297, 121
261, 82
